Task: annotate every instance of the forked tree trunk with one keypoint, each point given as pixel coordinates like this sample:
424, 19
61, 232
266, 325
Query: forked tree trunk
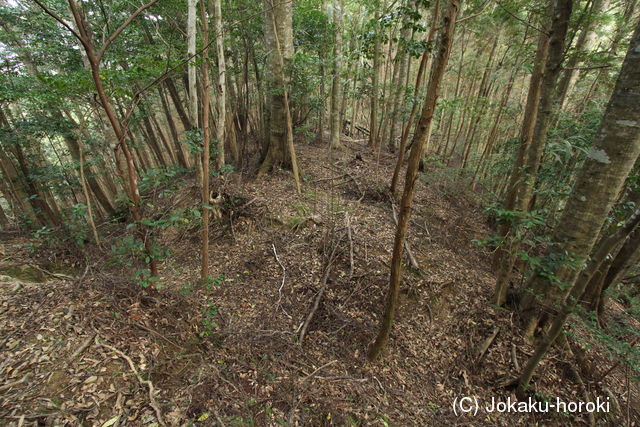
420, 138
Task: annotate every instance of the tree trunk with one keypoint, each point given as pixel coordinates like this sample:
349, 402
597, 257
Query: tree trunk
375, 82
334, 117
419, 140
204, 265
424, 61
279, 38
221, 85
599, 183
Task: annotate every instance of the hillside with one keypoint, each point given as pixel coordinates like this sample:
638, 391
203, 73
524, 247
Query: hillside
88, 350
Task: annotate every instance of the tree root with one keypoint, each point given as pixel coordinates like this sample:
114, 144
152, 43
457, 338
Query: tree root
152, 400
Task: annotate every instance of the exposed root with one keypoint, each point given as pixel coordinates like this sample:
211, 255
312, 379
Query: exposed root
152, 400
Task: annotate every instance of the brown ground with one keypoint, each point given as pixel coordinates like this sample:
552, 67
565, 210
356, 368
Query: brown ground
228, 354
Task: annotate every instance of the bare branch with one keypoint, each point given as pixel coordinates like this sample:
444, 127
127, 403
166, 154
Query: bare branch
60, 20
124, 25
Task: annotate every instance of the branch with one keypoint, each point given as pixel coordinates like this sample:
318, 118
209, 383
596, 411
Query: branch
124, 25
522, 20
597, 67
152, 400
60, 20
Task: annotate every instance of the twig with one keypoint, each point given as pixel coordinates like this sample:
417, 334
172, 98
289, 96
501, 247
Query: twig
284, 275
82, 348
412, 259
47, 272
514, 357
141, 326
152, 400
316, 302
7, 386
486, 344
522, 20
362, 193
332, 178
588, 68
318, 370
346, 218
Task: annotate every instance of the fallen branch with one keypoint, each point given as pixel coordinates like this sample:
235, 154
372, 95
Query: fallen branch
152, 400
145, 328
514, 357
81, 349
412, 259
48, 273
284, 275
11, 384
323, 286
486, 344
348, 223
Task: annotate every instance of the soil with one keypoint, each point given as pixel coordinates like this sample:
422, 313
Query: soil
227, 352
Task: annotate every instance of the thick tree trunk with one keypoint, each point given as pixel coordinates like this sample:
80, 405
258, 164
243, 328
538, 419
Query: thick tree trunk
279, 38
603, 174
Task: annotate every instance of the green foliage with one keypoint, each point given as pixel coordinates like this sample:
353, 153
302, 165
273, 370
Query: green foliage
208, 323
166, 178
193, 140
129, 251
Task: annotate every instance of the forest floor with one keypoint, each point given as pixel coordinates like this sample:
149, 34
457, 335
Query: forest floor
100, 350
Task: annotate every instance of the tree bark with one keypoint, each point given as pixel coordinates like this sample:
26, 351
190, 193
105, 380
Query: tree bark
334, 116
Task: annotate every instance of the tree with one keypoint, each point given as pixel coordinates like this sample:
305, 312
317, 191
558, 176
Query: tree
420, 138
601, 179
533, 137
221, 85
204, 264
334, 117
279, 37
94, 57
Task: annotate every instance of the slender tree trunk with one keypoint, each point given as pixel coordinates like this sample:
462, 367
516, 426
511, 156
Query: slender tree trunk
87, 198
419, 140
546, 68
336, 84
120, 132
375, 83
204, 265
221, 86
424, 61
